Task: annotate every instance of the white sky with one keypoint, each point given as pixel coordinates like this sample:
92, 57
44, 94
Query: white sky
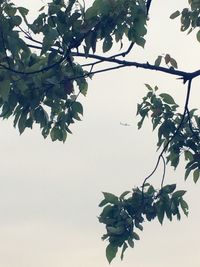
49, 192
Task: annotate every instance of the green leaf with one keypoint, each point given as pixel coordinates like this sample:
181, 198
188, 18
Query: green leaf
16, 20
124, 194
110, 198
115, 230
187, 172
198, 36
5, 89
168, 188
41, 9
158, 61
103, 203
167, 58
167, 99
77, 107
125, 246
106, 212
148, 87
184, 206
196, 175
140, 41
178, 194
23, 11
173, 63
130, 242
107, 44
111, 251
136, 236
160, 212
83, 87
56, 134
188, 155
22, 122
175, 14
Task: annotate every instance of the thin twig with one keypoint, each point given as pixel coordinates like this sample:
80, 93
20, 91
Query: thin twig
190, 125
172, 137
164, 171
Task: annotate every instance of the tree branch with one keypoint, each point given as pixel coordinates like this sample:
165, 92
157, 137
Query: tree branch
172, 138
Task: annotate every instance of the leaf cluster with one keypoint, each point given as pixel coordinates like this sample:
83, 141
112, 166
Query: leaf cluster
166, 119
189, 17
42, 86
124, 215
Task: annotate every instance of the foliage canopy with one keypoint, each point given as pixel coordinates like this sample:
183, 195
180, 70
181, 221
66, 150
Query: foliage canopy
42, 75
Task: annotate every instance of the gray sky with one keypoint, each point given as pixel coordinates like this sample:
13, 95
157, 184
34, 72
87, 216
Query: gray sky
49, 192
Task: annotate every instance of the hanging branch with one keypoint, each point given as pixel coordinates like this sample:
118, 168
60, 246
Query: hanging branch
170, 139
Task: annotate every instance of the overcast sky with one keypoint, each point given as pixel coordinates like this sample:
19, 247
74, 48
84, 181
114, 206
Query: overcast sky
49, 192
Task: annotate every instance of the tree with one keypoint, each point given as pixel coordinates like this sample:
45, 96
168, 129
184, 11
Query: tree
44, 69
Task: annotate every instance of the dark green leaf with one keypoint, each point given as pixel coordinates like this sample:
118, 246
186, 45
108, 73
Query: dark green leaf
22, 122
110, 198
124, 194
4, 89
136, 236
175, 14
184, 206
158, 61
115, 230
107, 44
111, 251
130, 242
125, 246
160, 212
167, 99
196, 174
168, 188
178, 194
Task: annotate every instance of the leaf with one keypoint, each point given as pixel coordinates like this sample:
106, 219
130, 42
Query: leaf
111, 251
184, 206
187, 173
124, 194
140, 41
188, 155
4, 89
136, 236
16, 20
167, 98
160, 212
110, 198
168, 188
175, 14
56, 134
148, 87
77, 107
130, 242
125, 246
106, 211
115, 230
107, 44
173, 63
23, 11
83, 87
158, 61
139, 226
22, 122
196, 174
167, 58
198, 36
103, 203
68, 86
41, 9
178, 194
